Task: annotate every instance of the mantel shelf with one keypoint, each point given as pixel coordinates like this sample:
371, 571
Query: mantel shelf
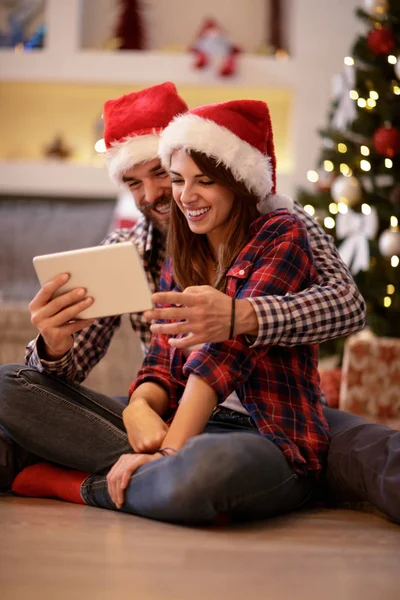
63, 179
55, 178
129, 67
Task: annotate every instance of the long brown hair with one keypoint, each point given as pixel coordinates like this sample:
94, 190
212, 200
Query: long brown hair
190, 252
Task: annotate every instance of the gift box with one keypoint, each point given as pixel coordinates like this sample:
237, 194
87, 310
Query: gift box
370, 383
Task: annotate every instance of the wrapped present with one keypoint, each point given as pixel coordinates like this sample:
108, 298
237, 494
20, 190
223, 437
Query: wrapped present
330, 384
370, 384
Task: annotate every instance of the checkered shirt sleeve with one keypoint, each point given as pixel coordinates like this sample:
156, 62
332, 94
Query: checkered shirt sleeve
330, 308
92, 343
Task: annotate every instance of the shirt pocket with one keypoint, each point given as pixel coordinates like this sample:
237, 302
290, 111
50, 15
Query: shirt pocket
237, 276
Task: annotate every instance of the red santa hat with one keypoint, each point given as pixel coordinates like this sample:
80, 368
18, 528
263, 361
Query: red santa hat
132, 125
238, 134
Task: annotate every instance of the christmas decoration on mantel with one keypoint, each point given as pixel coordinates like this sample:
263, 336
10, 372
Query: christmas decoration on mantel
213, 48
359, 165
130, 30
58, 149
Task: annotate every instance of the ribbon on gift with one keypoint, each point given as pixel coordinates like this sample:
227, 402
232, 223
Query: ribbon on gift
356, 229
346, 110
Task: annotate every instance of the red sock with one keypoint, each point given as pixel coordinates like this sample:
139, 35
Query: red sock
44, 480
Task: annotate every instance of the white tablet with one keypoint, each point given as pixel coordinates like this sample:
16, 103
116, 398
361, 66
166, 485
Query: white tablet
112, 274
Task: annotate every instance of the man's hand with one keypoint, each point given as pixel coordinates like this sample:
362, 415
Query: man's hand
119, 476
55, 317
145, 428
203, 315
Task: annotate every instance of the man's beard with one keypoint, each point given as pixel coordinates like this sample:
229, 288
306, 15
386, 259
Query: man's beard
160, 222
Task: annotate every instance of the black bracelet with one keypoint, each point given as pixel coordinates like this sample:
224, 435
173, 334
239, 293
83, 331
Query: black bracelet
163, 451
232, 320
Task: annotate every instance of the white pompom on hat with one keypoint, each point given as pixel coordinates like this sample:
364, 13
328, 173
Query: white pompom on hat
132, 126
237, 134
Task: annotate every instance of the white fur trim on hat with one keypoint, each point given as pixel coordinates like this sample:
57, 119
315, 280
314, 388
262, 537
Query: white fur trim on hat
273, 202
246, 163
122, 156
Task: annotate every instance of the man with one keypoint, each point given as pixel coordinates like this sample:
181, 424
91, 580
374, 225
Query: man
84, 429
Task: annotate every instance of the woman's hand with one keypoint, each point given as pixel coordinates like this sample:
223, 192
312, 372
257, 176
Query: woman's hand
145, 428
119, 476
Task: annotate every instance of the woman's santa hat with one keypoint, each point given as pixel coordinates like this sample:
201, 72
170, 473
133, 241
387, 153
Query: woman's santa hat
238, 134
133, 123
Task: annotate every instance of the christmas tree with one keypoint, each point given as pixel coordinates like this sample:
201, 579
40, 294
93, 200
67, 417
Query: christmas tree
357, 181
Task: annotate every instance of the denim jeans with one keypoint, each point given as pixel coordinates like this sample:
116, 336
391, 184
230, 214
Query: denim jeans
230, 468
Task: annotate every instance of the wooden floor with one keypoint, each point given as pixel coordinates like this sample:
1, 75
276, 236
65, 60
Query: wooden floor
58, 551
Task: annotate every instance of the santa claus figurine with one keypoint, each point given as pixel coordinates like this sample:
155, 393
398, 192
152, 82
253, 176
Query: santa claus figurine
213, 47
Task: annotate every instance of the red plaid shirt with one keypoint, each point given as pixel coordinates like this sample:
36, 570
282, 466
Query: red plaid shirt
278, 386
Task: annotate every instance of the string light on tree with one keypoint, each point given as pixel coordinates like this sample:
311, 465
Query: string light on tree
329, 223
333, 208
394, 261
365, 151
392, 60
390, 289
366, 209
362, 103
354, 95
387, 301
309, 209
342, 208
388, 163
328, 166
342, 148
365, 165
345, 170
376, 8
312, 176
373, 95
349, 61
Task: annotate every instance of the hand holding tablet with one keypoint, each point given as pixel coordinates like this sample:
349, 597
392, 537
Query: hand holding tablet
112, 275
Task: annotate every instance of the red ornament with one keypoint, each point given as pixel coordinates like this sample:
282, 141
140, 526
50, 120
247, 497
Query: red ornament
381, 41
387, 141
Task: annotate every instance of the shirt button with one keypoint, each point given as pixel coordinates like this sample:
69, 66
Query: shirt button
241, 272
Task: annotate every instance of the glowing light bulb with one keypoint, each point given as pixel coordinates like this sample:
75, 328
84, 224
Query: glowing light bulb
312, 176
394, 221
366, 209
354, 95
329, 222
362, 103
374, 95
333, 208
387, 301
309, 209
388, 163
328, 165
392, 60
390, 289
394, 261
365, 165
343, 208
345, 169
342, 147
348, 60
365, 151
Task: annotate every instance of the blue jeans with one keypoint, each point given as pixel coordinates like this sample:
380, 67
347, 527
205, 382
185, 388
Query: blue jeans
241, 474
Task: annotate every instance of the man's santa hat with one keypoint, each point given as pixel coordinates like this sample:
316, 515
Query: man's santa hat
133, 123
238, 134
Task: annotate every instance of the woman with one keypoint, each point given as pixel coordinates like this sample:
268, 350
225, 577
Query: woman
222, 165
